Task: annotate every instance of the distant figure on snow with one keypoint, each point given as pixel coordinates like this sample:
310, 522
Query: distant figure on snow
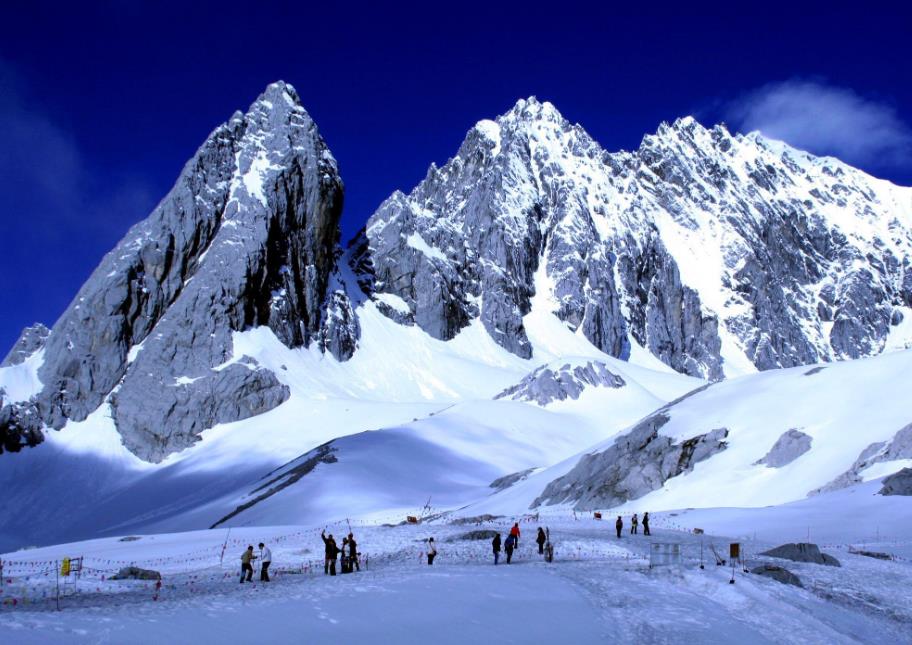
332, 552
619, 525
247, 559
633, 524
646, 524
540, 540
509, 545
495, 544
431, 551
515, 533
265, 561
353, 553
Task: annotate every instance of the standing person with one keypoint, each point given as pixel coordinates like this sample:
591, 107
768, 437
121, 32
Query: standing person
247, 558
353, 553
509, 545
432, 551
646, 524
540, 540
265, 561
633, 524
332, 552
619, 525
515, 533
346, 565
495, 544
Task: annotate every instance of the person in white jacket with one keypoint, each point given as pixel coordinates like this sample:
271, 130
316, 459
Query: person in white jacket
265, 560
431, 551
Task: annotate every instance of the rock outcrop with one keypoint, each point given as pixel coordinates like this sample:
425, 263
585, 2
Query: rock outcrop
899, 483
788, 447
899, 447
635, 464
779, 574
30, 341
546, 384
802, 552
247, 237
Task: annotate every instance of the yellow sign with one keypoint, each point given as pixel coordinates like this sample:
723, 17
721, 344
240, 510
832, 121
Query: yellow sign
65, 567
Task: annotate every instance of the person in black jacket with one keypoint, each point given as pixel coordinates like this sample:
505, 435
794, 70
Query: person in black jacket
619, 525
646, 524
495, 544
332, 552
353, 553
540, 540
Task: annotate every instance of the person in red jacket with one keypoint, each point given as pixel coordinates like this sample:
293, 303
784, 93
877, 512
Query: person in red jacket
515, 533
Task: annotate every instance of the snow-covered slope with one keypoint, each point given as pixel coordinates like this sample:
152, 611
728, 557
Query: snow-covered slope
758, 440
435, 429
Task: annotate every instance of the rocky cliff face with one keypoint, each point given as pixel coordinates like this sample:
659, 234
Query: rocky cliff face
247, 237
718, 253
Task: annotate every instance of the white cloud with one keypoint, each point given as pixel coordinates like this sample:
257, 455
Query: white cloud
827, 120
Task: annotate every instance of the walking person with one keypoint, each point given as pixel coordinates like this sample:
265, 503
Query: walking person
509, 545
247, 559
431, 551
633, 524
515, 533
540, 540
332, 552
619, 525
646, 524
353, 553
495, 544
265, 561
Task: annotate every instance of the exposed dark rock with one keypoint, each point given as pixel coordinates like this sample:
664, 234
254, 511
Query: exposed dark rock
637, 463
30, 341
802, 552
872, 554
284, 477
899, 483
779, 574
899, 447
547, 384
788, 447
503, 483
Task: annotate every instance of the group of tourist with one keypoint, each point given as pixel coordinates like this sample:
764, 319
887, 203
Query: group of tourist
634, 525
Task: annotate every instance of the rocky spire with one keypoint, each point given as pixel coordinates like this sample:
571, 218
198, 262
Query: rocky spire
247, 237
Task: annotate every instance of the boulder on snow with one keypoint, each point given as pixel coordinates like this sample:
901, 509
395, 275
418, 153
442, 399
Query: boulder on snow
899, 483
135, 573
779, 574
872, 554
802, 552
788, 447
473, 535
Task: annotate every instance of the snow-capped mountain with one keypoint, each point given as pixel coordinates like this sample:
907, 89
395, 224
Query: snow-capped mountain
247, 237
532, 314
721, 254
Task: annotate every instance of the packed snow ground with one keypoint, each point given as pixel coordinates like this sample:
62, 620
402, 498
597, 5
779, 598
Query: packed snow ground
599, 589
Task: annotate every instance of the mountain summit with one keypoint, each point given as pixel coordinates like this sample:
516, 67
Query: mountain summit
719, 254
715, 254
247, 237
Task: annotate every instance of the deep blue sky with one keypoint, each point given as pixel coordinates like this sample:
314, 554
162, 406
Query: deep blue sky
102, 103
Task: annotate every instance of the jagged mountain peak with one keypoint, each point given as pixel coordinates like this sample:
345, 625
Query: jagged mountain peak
247, 237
